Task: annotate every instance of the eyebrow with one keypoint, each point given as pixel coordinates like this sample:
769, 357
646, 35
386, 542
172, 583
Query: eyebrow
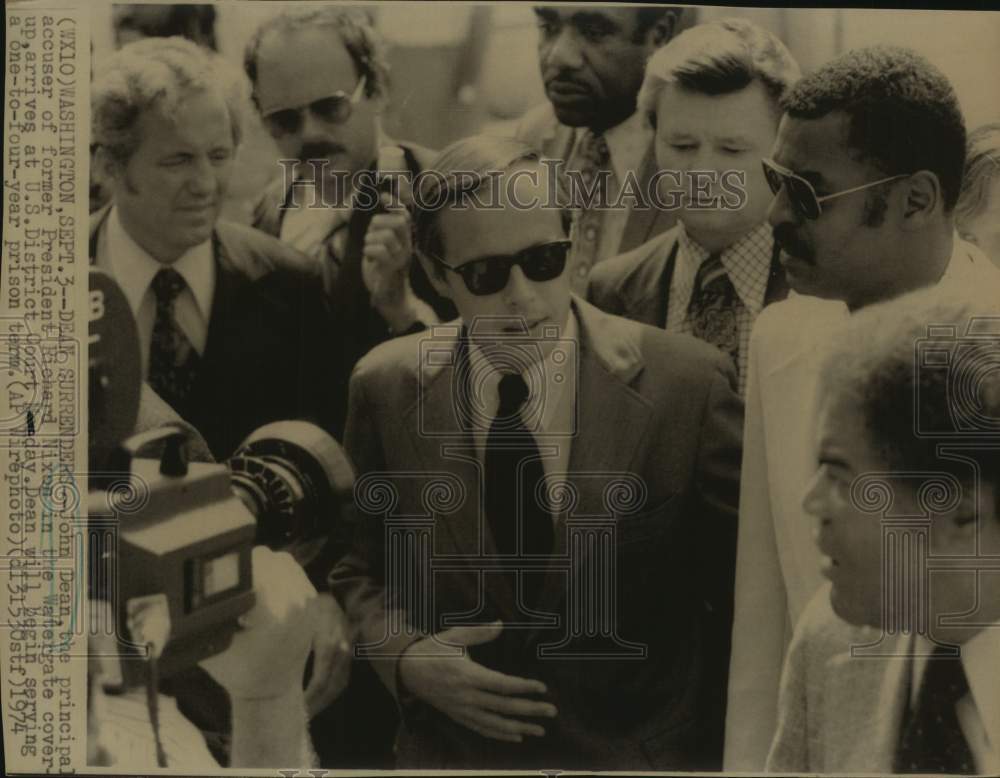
545, 13
591, 17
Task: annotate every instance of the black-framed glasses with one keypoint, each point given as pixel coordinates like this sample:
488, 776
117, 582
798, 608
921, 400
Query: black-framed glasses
489, 275
801, 193
335, 109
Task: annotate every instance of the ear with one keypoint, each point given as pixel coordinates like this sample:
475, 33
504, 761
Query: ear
661, 32
434, 275
107, 167
923, 199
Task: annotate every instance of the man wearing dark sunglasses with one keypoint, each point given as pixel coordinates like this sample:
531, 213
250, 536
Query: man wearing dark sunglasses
866, 172
319, 78
533, 411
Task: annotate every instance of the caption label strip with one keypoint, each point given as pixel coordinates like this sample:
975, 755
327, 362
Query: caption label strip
42, 367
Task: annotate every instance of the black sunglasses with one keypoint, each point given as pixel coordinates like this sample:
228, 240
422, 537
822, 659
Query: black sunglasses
801, 193
335, 109
489, 275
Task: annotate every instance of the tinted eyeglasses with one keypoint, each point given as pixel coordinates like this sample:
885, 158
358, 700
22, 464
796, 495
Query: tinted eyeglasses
489, 275
335, 109
801, 193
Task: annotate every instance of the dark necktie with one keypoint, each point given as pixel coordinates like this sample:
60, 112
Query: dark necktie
931, 739
713, 308
592, 157
173, 360
514, 476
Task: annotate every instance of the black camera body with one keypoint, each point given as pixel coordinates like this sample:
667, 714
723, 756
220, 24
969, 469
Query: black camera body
171, 540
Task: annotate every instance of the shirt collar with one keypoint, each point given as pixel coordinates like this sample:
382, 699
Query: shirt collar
966, 259
747, 262
488, 384
134, 269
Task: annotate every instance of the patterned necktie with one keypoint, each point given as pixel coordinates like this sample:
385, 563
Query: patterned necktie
592, 157
713, 308
514, 476
931, 739
173, 360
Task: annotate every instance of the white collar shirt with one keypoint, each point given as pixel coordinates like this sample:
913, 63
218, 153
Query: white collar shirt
550, 412
134, 269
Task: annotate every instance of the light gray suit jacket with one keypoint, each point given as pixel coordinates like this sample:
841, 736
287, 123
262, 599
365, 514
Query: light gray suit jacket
840, 710
777, 570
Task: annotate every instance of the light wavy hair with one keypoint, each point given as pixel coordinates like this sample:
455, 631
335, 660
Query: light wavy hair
157, 74
982, 168
716, 58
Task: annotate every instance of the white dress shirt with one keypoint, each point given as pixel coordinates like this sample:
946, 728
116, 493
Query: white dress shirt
134, 269
550, 410
979, 710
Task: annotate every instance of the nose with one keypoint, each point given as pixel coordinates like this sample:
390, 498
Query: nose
564, 52
312, 127
202, 181
520, 291
780, 211
815, 499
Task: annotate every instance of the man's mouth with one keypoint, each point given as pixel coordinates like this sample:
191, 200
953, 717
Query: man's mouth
828, 567
791, 248
563, 88
525, 327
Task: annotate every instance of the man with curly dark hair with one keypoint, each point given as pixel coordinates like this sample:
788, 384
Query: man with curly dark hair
866, 171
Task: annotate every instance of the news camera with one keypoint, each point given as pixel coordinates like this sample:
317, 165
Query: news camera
171, 539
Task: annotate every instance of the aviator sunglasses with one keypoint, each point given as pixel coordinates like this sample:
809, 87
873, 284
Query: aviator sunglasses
801, 193
335, 109
489, 275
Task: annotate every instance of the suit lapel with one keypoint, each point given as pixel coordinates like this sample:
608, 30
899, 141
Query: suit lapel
617, 419
864, 700
647, 290
644, 223
450, 449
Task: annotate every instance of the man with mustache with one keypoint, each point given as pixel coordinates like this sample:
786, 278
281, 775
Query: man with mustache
592, 59
488, 454
711, 95
320, 82
234, 328
866, 171
226, 314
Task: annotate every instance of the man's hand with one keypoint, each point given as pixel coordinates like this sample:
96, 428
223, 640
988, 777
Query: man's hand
385, 268
331, 655
267, 657
475, 696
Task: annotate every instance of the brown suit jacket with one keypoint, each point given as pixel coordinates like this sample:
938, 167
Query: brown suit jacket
272, 351
636, 284
540, 128
343, 281
654, 409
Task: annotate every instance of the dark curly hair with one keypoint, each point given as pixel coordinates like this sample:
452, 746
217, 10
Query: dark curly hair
904, 115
